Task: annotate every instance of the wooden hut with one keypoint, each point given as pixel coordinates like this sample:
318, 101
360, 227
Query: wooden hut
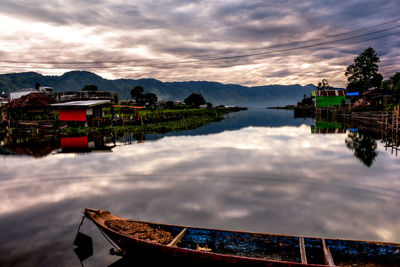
89, 112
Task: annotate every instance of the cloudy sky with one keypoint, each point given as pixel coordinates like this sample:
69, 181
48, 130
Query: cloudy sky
238, 41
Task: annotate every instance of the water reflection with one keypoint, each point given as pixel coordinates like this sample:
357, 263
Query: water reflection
327, 127
363, 142
39, 146
35, 146
279, 179
84, 144
364, 147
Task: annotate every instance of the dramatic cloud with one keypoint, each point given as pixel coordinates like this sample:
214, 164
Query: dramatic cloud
246, 42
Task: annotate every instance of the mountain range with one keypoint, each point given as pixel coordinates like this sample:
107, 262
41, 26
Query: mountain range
214, 92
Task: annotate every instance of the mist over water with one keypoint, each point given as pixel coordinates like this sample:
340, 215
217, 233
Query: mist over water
258, 170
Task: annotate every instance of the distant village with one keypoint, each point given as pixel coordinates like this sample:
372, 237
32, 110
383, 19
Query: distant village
366, 88
41, 108
375, 98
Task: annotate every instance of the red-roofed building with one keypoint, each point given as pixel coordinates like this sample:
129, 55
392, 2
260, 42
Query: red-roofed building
90, 112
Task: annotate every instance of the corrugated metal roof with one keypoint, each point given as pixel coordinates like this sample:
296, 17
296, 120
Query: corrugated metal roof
26, 90
83, 103
330, 92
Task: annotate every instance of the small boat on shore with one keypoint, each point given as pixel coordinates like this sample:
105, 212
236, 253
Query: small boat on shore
193, 246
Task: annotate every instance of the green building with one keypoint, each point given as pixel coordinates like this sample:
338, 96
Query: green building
329, 98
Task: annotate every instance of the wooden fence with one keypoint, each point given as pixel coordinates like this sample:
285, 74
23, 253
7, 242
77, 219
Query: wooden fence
376, 120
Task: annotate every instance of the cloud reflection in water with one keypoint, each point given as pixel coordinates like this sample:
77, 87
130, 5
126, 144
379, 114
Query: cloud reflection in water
279, 180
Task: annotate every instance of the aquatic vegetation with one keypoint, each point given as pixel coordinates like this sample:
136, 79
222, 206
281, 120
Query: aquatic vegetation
160, 121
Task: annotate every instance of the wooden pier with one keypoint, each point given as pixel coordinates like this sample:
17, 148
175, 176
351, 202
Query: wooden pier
385, 124
387, 121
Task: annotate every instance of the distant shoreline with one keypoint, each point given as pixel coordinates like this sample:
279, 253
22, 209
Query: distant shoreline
290, 107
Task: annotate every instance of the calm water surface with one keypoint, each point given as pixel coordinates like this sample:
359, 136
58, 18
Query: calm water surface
258, 170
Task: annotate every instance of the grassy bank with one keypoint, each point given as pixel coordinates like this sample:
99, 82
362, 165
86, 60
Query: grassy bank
182, 119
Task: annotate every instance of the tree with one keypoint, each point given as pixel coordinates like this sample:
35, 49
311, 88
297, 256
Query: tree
323, 85
376, 80
360, 74
90, 87
363, 146
387, 85
137, 94
150, 98
396, 81
169, 104
195, 100
307, 101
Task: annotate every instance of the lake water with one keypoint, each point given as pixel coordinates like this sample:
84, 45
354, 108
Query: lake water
258, 170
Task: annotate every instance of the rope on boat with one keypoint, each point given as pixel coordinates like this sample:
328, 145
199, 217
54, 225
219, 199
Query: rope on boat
101, 231
79, 227
105, 236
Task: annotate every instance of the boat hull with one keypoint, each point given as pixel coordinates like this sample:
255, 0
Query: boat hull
229, 248
159, 254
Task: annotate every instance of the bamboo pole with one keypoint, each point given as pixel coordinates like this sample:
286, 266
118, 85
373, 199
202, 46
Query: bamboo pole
392, 143
393, 119
386, 122
397, 119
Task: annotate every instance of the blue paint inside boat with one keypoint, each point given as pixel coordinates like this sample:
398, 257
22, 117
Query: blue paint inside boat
283, 248
363, 252
314, 250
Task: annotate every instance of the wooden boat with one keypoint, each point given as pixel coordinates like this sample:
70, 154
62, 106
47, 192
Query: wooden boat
192, 246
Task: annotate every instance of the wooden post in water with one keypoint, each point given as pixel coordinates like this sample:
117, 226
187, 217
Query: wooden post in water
386, 143
397, 135
394, 111
386, 122
397, 119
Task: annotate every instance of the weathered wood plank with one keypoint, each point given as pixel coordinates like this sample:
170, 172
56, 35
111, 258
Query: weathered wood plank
327, 254
303, 254
178, 238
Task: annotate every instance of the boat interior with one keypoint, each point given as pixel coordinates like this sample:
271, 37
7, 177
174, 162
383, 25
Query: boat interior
331, 252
